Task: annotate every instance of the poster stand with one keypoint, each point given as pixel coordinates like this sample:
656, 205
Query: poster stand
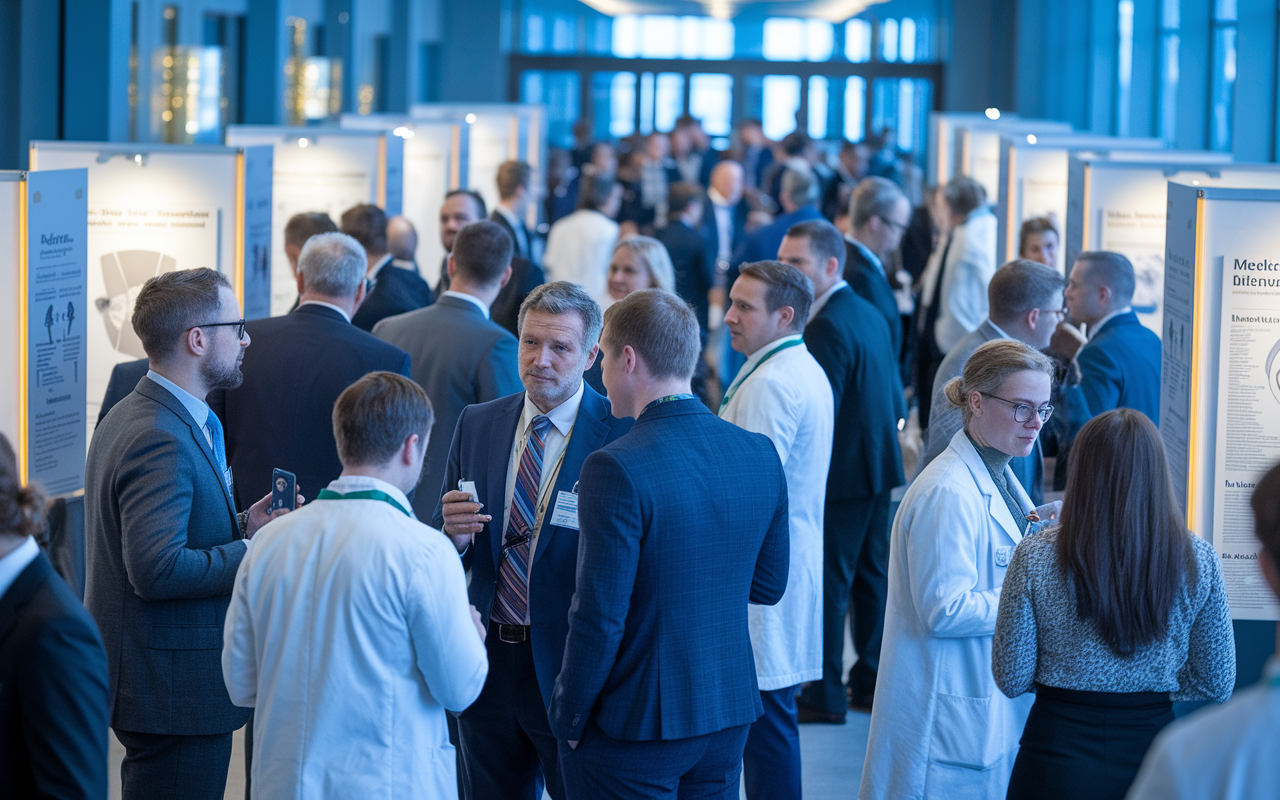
159, 208
321, 169
977, 147
940, 156
1121, 205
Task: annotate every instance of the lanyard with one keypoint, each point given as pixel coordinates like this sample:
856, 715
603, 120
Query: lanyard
668, 399
548, 481
368, 494
733, 390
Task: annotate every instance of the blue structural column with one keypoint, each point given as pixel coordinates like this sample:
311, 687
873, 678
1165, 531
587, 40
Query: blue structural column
982, 62
473, 55
29, 93
266, 48
95, 70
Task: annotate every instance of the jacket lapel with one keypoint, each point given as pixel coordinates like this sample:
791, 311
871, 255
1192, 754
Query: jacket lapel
20, 592
501, 439
589, 432
991, 493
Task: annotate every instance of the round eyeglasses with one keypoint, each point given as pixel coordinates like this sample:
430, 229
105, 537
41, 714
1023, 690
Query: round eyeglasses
1022, 412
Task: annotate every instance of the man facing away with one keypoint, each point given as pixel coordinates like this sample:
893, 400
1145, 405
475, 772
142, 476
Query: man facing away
692, 255
349, 631
460, 357
1025, 299
524, 454
395, 290
878, 216
851, 343
658, 686
579, 246
281, 415
163, 541
783, 393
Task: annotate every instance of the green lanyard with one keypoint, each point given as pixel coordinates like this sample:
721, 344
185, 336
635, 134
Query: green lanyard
368, 494
671, 398
738, 383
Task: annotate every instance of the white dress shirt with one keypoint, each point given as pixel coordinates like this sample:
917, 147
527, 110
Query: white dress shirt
1093, 329
788, 398
341, 311
578, 250
724, 225
1225, 752
971, 261
12, 565
821, 300
350, 633
470, 298
562, 418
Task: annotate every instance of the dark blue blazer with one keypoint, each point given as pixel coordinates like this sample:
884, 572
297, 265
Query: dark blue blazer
395, 291
481, 452
684, 522
762, 244
872, 285
710, 228
163, 547
282, 415
53, 690
124, 377
1119, 368
694, 261
849, 340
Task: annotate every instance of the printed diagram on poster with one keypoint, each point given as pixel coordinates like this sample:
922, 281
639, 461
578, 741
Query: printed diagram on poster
1139, 236
132, 242
1248, 422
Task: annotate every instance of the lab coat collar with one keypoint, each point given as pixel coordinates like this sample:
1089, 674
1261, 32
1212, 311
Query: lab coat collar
995, 503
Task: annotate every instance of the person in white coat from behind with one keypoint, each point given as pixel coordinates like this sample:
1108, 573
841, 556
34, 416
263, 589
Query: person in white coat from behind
939, 726
349, 630
782, 392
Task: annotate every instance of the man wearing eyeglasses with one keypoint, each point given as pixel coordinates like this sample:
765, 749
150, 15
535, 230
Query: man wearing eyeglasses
163, 541
878, 216
1025, 302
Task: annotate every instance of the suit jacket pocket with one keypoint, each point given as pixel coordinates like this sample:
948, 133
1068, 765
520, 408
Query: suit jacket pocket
185, 637
965, 732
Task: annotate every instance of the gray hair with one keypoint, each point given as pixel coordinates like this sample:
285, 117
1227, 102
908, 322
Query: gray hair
653, 254
1111, 270
332, 264
873, 197
989, 367
1019, 286
563, 297
799, 187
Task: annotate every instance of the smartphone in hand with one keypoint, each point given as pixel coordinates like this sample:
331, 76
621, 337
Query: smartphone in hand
284, 490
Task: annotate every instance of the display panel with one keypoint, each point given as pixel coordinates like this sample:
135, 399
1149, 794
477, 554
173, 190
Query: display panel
11, 193
978, 148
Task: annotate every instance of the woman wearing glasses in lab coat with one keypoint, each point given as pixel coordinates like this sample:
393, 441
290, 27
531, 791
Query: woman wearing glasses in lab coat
939, 726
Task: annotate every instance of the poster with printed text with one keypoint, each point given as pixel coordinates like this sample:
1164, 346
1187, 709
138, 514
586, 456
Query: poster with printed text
1139, 236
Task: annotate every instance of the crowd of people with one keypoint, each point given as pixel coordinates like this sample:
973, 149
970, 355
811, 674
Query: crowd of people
591, 515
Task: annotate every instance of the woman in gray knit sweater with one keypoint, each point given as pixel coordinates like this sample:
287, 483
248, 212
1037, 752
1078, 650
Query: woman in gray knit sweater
1111, 615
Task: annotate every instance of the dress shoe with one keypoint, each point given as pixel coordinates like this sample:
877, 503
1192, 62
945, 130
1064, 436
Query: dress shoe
807, 713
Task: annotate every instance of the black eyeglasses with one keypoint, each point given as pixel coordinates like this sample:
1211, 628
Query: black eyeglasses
1022, 412
897, 226
238, 323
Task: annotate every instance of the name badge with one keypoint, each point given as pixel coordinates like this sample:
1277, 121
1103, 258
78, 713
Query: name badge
565, 514
1003, 554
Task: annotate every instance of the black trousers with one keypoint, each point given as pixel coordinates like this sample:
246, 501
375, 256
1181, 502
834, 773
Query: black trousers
505, 746
855, 573
160, 767
1086, 744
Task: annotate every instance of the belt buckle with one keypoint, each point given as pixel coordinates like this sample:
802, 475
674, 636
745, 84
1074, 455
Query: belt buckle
512, 634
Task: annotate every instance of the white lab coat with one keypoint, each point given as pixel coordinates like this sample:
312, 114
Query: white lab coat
789, 400
579, 248
939, 726
350, 632
962, 293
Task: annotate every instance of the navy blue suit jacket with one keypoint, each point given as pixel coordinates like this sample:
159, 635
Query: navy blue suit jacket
282, 415
1119, 368
395, 291
684, 521
872, 285
481, 452
762, 244
53, 690
694, 261
850, 341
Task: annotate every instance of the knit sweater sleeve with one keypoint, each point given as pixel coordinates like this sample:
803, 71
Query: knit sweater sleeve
1013, 650
1209, 672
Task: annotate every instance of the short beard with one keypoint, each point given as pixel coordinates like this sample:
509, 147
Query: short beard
220, 376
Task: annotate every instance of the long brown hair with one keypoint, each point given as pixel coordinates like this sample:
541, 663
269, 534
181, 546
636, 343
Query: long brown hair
1122, 540
21, 507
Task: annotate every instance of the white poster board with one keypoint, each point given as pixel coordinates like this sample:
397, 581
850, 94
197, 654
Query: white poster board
1230, 401
940, 153
151, 209
11, 190
1120, 205
322, 169
977, 146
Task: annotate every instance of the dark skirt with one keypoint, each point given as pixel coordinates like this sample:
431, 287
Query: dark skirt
1086, 744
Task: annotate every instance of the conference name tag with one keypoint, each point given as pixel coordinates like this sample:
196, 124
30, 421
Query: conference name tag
1003, 554
565, 514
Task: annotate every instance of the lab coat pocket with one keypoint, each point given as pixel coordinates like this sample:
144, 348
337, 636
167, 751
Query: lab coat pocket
965, 732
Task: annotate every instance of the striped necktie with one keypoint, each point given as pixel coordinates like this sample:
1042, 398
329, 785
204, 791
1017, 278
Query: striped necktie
511, 606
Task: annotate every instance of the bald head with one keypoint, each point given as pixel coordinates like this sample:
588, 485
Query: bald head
402, 238
726, 179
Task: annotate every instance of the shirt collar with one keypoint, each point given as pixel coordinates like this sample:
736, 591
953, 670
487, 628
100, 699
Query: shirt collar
197, 408
717, 199
508, 216
1093, 329
866, 253
362, 483
12, 565
562, 416
326, 305
470, 298
379, 264
998, 330
822, 299
758, 356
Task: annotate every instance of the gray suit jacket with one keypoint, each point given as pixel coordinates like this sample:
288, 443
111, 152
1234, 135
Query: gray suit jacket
459, 358
163, 547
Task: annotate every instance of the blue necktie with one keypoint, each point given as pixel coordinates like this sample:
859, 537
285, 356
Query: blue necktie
511, 606
214, 426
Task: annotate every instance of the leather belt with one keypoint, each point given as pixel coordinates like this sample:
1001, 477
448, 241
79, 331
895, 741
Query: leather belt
512, 634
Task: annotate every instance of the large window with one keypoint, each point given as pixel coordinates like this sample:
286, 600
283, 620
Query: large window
1169, 44
794, 39
1224, 74
661, 36
1124, 66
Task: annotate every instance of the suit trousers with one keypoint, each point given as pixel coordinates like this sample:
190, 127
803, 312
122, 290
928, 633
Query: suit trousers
855, 573
159, 766
603, 768
505, 745
771, 760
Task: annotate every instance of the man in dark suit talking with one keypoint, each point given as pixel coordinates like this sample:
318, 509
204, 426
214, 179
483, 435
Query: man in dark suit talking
163, 541
683, 521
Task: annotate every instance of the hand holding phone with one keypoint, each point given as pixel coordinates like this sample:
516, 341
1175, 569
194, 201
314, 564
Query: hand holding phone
284, 490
